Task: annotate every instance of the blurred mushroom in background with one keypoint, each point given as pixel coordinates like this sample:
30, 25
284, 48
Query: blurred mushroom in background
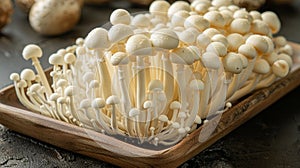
6, 10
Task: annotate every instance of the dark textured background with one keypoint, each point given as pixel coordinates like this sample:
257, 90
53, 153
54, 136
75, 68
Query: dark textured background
271, 139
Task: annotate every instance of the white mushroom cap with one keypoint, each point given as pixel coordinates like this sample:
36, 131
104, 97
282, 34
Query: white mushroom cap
240, 25
177, 6
227, 15
182, 56
280, 68
215, 18
196, 2
62, 83
212, 8
14, 77
211, 60
175, 125
70, 58
261, 66
258, 42
141, 20
134, 112
242, 14
187, 37
196, 84
272, 20
287, 49
164, 38
22, 84
85, 103
270, 44
155, 85
179, 17
163, 118
286, 58
233, 63
98, 103
260, 27
119, 32
56, 59
248, 51
280, 41
88, 77
97, 38
120, 16
119, 58
34, 88
271, 58
94, 84
210, 32
32, 51
175, 105
196, 21
235, 40
203, 40
182, 115
220, 38
79, 41
80, 51
54, 96
112, 100
218, 3
233, 8
28, 75
196, 52
255, 15
147, 104
217, 48
202, 7
159, 7
139, 45
70, 91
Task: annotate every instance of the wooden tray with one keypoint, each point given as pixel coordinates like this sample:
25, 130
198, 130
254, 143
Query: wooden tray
90, 143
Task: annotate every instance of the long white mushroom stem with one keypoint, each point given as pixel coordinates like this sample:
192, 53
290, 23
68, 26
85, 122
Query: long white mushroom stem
140, 83
168, 80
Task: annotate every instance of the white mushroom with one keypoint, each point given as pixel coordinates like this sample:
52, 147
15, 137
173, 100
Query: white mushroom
272, 20
177, 6
113, 101
139, 46
97, 40
181, 57
34, 52
120, 16
165, 40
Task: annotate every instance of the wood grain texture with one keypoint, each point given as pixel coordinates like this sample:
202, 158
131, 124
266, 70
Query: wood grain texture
90, 143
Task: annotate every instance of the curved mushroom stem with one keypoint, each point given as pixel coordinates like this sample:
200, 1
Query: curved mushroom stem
41, 73
246, 89
20, 90
104, 75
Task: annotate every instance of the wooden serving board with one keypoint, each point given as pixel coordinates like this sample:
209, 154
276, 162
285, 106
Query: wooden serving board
96, 145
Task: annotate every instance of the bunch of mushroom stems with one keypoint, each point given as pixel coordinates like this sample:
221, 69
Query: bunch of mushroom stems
156, 76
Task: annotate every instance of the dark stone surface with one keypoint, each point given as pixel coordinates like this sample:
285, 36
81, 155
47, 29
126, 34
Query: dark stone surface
271, 139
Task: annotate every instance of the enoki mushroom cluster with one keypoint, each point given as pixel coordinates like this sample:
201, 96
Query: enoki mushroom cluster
156, 76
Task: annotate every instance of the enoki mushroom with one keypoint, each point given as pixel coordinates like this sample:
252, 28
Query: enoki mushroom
155, 76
